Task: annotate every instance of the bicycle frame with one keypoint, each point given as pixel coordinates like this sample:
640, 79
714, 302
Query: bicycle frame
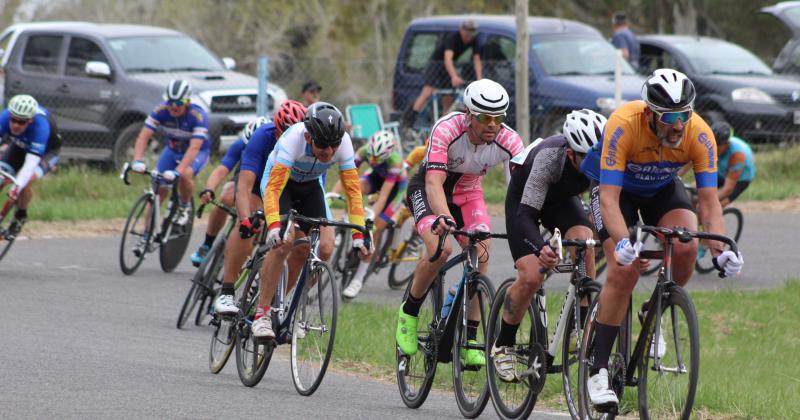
157, 232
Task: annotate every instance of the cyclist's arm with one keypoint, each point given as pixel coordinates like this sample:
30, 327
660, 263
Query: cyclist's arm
704, 155
191, 153
684, 169
27, 171
611, 213
545, 171
141, 142
416, 155
434, 189
383, 195
355, 206
736, 165
710, 213
244, 187
448, 64
219, 174
274, 181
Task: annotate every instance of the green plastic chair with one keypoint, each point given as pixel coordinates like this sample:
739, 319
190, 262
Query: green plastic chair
366, 120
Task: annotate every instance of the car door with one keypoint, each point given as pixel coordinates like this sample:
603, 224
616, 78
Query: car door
37, 69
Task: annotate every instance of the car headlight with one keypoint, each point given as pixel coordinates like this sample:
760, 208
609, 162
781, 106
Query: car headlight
751, 95
608, 105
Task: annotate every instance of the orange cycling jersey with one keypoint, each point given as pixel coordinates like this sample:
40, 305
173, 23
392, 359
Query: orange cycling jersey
632, 157
416, 155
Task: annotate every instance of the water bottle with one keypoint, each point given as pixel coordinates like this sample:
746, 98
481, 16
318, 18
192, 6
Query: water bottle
448, 301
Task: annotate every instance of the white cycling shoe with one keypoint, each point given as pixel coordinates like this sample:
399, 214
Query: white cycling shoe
226, 305
353, 288
262, 328
662, 346
600, 394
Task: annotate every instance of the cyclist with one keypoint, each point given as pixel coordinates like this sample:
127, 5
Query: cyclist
644, 145
33, 151
446, 192
388, 178
292, 180
545, 190
737, 167
416, 155
185, 128
248, 198
228, 163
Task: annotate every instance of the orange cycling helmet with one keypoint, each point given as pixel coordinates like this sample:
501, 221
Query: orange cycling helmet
291, 112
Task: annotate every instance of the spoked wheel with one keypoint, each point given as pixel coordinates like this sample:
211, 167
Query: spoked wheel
415, 372
252, 356
174, 246
202, 282
570, 345
314, 329
734, 221
667, 384
5, 243
222, 341
384, 246
131, 254
341, 244
405, 260
469, 376
516, 399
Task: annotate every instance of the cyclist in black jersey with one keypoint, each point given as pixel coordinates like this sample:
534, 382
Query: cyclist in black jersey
546, 182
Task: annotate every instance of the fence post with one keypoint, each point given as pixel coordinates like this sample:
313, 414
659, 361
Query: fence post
263, 78
618, 79
522, 80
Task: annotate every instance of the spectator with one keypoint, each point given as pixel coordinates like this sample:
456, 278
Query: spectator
624, 39
446, 53
310, 93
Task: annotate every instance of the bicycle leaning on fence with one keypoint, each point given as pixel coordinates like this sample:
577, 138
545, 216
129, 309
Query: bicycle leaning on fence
144, 234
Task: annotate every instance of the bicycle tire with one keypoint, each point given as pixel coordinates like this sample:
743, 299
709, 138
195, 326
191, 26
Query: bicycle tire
197, 292
520, 404
651, 402
396, 278
730, 214
471, 388
212, 280
7, 243
569, 357
128, 242
380, 259
252, 356
174, 247
586, 410
223, 339
415, 373
311, 332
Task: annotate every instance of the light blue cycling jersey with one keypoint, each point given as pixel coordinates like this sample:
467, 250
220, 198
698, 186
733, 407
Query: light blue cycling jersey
748, 168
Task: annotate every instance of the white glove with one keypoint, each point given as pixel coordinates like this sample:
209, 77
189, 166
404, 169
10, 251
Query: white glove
274, 236
625, 252
138, 166
728, 263
170, 176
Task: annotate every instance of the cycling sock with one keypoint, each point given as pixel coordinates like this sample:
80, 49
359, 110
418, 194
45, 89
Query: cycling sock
472, 329
508, 334
262, 311
209, 240
604, 336
361, 271
186, 204
412, 305
21, 214
227, 289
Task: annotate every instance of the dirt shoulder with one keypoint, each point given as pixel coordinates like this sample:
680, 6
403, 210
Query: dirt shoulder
112, 227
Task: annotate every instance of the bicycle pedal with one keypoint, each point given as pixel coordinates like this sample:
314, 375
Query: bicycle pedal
610, 408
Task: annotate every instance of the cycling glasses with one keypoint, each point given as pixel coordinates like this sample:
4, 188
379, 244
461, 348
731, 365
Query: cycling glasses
486, 118
178, 102
670, 118
19, 121
324, 145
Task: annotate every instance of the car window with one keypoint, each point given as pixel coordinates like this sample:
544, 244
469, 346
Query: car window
159, 54
41, 54
4, 43
80, 51
576, 56
653, 57
498, 58
419, 51
720, 57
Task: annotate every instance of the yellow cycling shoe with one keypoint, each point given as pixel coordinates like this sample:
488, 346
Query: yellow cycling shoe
473, 357
406, 334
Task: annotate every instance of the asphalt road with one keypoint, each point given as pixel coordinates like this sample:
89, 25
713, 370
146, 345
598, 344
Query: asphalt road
81, 340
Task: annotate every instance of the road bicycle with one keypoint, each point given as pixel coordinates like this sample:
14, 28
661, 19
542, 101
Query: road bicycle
9, 230
534, 357
442, 337
665, 359
209, 274
143, 234
306, 317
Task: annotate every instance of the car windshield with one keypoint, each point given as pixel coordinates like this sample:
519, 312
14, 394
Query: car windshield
576, 56
719, 57
158, 54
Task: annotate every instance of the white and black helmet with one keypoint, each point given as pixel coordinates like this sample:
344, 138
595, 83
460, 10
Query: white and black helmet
668, 90
381, 144
486, 97
23, 106
178, 90
583, 129
251, 127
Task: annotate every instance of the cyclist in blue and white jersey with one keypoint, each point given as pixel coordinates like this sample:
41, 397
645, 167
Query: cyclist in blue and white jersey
33, 151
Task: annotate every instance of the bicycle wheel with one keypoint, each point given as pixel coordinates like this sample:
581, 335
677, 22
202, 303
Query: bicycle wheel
223, 339
381, 258
174, 246
339, 251
314, 329
515, 400
667, 385
252, 357
202, 281
571, 344
213, 282
650, 242
733, 229
135, 229
8, 209
415, 373
469, 382
404, 261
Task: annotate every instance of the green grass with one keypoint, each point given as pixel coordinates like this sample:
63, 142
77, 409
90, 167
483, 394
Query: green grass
748, 361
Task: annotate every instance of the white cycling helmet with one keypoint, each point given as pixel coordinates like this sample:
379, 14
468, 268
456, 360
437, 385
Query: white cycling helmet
583, 129
668, 90
251, 127
178, 90
381, 144
23, 106
486, 97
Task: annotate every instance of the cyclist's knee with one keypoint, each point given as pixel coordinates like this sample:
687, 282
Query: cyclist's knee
528, 277
622, 278
325, 251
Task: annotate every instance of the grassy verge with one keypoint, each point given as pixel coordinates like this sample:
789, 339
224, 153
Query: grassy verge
748, 340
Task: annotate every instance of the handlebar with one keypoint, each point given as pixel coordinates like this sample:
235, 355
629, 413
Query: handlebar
294, 216
6, 176
219, 204
153, 173
473, 236
682, 234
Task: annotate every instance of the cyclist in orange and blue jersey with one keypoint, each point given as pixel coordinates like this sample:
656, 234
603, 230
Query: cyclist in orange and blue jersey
645, 143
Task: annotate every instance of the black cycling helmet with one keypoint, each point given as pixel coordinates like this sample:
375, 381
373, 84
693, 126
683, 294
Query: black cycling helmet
722, 132
325, 124
668, 90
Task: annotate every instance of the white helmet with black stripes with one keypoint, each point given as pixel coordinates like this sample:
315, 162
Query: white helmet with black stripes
486, 97
178, 90
583, 129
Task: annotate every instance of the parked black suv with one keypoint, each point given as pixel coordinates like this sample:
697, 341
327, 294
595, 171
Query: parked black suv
101, 80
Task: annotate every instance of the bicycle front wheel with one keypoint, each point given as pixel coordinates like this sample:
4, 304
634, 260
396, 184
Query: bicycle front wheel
415, 373
174, 246
5, 243
469, 378
733, 229
571, 343
252, 356
131, 254
667, 384
314, 329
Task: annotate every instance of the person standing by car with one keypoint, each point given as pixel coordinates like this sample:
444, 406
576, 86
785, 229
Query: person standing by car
624, 39
33, 151
310, 92
447, 51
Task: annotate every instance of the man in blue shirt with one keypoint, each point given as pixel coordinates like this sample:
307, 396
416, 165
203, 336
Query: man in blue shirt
624, 39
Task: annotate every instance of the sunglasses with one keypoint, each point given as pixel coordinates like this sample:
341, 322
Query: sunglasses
670, 118
19, 121
486, 118
177, 102
325, 145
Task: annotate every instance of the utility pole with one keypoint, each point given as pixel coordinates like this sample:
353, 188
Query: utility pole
521, 87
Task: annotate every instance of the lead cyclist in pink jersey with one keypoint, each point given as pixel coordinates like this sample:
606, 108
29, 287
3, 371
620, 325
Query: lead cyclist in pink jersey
446, 193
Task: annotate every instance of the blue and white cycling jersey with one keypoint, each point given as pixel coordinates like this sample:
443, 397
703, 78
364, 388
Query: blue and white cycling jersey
35, 137
180, 131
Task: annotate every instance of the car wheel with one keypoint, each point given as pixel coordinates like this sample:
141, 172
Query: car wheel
123, 147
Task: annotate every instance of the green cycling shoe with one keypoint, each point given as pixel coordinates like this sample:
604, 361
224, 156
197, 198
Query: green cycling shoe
406, 334
473, 357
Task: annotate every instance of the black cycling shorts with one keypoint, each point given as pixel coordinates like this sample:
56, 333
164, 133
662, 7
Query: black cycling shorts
308, 198
417, 201
562, 215
652, 209
436, 75
738, 189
